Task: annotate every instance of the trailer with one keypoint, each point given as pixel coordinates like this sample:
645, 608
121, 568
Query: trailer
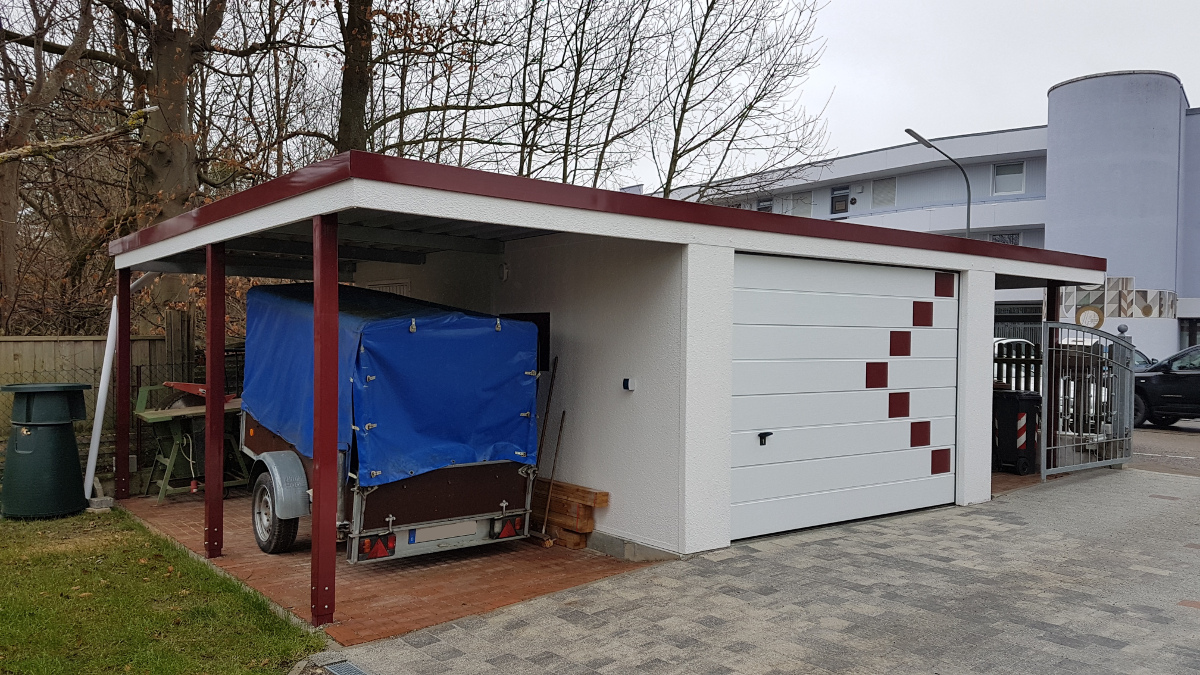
437, 422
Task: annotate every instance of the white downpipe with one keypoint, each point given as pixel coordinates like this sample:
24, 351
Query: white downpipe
110, 348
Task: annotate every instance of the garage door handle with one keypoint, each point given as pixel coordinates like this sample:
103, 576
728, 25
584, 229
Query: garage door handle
763, 436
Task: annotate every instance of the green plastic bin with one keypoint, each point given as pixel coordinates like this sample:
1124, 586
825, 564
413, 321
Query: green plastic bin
42, 476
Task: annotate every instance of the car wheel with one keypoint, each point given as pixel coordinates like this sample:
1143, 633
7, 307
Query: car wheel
1140, 413
272, 534
1163, 421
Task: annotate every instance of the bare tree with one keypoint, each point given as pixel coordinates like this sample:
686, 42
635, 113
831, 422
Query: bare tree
30, 90
733, 74
579, 91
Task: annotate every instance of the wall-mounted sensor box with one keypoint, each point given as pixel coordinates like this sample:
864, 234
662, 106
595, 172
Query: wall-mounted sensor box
629, 384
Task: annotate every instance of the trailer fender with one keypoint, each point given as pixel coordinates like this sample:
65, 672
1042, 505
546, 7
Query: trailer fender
291, 485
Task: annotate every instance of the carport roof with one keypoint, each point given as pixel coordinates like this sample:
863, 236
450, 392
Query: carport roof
371, 230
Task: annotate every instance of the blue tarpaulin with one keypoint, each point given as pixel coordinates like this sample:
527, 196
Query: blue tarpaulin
454, 390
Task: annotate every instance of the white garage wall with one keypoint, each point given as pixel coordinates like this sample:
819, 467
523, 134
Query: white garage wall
616, 311
708, 411
976, 317
448, 277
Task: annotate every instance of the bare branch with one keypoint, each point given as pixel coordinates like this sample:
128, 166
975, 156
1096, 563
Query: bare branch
51, 148
60, 49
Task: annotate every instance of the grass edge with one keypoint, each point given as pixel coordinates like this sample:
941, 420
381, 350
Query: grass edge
276, 608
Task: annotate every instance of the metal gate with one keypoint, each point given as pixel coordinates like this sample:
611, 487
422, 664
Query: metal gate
1087, 399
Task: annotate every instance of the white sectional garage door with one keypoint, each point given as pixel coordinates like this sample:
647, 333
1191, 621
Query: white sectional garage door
843, 391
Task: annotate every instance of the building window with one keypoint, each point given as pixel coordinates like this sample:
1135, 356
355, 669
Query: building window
1189, 333
802, 204
1009, 179
764, 204
1013, 238
840, 199
883, 193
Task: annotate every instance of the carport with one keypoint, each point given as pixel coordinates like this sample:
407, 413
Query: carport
690, 334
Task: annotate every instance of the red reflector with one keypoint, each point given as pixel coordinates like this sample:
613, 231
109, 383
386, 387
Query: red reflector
508, 530
378, 550
377, 546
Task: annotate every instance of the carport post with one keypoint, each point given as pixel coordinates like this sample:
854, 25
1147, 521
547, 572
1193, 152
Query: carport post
121, 409
214, 400
325, 416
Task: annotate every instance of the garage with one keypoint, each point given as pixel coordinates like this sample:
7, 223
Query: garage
844, 391
728, 373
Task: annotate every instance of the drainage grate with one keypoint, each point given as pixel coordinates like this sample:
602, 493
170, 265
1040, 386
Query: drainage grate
345, 668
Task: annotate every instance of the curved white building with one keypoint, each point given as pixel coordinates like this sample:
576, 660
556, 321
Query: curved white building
1115, 173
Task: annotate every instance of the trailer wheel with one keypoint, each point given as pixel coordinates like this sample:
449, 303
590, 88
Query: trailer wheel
272, 534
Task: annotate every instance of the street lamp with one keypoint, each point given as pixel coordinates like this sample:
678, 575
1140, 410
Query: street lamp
922, 141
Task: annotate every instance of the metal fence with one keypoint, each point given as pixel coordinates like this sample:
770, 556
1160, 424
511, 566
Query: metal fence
1087, 399
1019, 329
1019, 365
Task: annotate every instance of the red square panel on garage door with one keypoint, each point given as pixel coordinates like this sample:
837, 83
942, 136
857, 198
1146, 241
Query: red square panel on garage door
943, 285
901, 343
940, 461
877, 376
919, 434
898, 404
922, 313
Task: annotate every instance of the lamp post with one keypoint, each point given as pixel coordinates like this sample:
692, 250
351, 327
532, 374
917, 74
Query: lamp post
922, 141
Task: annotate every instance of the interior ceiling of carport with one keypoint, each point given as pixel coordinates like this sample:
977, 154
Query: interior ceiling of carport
364, 235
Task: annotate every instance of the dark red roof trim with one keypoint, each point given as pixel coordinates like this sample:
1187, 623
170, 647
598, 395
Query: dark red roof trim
370, 166
317, 175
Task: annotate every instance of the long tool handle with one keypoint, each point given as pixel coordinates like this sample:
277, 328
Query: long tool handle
553, 468
549, 400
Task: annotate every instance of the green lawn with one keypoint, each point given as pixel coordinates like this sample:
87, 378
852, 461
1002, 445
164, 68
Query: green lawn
98, 593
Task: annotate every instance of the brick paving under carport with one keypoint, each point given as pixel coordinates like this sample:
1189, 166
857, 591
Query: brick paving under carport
389, 598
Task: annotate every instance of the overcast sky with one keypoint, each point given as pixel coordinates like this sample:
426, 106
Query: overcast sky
946, 67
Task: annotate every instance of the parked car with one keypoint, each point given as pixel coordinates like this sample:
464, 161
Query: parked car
1141, 362
1168, 391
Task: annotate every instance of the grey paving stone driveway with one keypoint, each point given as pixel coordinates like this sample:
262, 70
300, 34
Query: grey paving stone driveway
1082, 575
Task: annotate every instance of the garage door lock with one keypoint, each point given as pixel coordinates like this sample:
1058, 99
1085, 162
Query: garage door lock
763, 436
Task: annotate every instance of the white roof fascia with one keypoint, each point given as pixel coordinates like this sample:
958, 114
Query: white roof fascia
329, 199
462, 206
421, 201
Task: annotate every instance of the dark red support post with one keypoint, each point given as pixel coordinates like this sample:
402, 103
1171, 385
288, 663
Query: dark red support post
325, 417
121, 389
214, 401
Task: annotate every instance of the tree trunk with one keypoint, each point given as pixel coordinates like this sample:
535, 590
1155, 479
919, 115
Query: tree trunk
168, 176
10, 205
356, 76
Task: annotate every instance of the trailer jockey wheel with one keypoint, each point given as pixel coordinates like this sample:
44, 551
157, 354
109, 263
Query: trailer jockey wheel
270, 533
